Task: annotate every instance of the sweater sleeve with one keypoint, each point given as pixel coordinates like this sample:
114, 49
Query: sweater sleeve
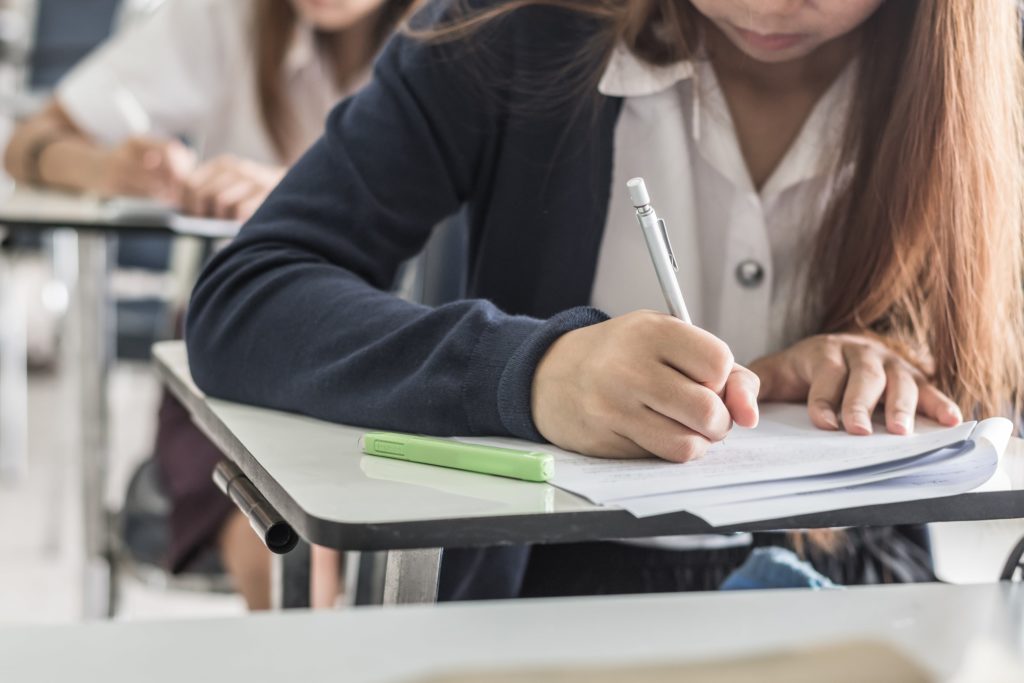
294, 314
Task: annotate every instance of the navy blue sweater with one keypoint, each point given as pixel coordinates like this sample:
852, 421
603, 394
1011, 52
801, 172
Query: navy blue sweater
295, 313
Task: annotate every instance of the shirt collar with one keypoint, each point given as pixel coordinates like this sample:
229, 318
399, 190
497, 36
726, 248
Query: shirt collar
302, 53
711, 124
628, 76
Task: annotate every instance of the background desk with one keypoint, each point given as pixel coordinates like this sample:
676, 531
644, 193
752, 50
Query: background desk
97, 223
933, 623
313, 473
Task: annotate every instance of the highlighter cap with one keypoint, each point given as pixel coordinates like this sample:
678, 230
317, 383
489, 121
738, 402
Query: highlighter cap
638, 192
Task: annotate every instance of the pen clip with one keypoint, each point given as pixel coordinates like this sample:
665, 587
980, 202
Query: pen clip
668, 244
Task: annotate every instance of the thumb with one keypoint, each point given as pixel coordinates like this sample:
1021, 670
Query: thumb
180, 160
741, 389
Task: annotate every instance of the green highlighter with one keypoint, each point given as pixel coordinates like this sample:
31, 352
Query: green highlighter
502, 462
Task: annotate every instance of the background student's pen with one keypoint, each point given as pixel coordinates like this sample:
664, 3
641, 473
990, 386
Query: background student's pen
656, 236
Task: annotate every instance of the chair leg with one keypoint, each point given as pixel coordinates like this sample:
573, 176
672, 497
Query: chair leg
290, 579
1014, 562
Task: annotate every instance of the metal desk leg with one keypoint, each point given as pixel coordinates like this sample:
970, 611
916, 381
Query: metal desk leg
411, 576
92, 340
364, 577
290, 578
13, 379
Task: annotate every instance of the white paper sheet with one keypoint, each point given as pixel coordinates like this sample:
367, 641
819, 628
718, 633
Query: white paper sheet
787, 467
967, 469
785, 445
647, 506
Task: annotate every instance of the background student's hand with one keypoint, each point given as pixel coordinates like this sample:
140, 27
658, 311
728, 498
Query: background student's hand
641, 384
846, 376
229, 187
146, 167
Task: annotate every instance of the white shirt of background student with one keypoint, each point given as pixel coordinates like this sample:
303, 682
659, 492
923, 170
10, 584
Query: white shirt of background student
189, 72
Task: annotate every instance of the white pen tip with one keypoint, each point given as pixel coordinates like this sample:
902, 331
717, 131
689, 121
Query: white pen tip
638, 192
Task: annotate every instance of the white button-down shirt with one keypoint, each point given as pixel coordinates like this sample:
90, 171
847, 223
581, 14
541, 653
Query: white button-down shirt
189, 71
740, 251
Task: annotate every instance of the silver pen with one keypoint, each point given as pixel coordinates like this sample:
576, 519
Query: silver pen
656, 236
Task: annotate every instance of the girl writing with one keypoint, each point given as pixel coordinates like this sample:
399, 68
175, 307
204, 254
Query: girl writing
842, 185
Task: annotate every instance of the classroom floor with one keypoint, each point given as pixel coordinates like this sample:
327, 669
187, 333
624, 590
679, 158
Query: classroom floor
39, 568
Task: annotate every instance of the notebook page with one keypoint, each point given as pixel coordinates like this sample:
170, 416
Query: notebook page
647, 506
959, 475
784, 445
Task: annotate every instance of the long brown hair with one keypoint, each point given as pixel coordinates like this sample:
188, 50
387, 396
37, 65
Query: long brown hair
275, 23
924, 244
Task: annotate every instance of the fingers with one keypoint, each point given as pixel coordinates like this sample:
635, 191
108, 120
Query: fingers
246, 208
603, 383
197, 199
827, 381
694, 352
741, 392
613, 445
865, 385
220, 197
848, 376
146, 167
664, 438
166, 161
901, 397
180, 160
687, 403
228, 188
936, 405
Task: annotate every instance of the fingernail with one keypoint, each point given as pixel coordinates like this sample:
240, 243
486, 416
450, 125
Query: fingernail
903, 422
830, 419
861, 422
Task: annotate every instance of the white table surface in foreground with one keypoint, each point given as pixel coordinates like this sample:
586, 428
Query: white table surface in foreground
934, 624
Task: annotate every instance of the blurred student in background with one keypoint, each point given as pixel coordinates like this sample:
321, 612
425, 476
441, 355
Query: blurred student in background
203, 106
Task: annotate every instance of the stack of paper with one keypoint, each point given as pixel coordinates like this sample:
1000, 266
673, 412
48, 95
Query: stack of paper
788, 467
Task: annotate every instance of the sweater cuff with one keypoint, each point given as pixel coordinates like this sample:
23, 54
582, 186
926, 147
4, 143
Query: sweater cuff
506, 358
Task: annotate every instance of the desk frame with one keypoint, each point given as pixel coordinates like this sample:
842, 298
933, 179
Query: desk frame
91, 350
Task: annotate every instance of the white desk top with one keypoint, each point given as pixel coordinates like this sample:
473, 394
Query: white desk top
321, 465
28, 207
315, 475
932, 623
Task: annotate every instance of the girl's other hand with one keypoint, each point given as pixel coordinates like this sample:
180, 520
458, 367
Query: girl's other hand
638, 385
846, 376
146, 167
229, 187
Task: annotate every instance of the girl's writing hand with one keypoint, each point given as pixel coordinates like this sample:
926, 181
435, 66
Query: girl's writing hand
229, 187
146, 167
638, 385
847, 376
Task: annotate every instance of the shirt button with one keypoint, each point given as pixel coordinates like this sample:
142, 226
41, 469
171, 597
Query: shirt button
750, 273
